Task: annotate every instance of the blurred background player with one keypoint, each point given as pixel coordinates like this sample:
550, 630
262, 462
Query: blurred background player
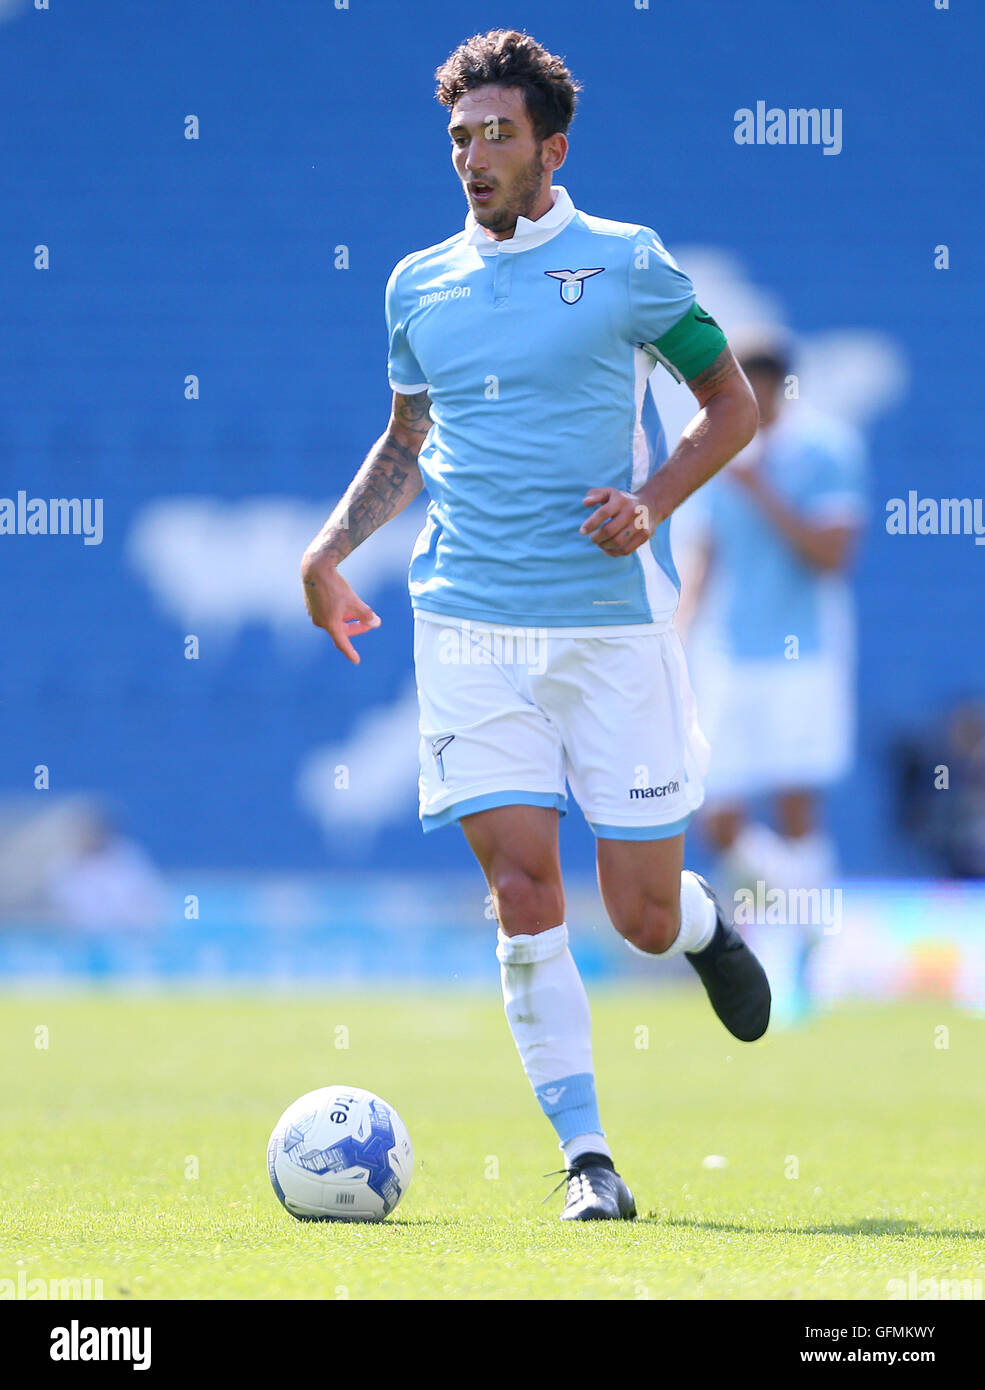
769, 617
940, 789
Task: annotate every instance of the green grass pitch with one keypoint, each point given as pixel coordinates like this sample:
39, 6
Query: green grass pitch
854, 1150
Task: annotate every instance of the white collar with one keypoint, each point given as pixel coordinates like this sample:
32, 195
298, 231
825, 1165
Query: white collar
527, 234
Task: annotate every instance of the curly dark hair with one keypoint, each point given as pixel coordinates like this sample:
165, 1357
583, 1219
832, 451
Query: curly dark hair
511, 59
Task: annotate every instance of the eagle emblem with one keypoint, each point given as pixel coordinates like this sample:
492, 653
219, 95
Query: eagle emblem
573, 282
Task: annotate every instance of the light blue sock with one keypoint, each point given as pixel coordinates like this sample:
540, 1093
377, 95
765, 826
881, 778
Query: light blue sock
570, 1105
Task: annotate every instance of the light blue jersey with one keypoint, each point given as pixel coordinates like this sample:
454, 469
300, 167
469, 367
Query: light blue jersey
532, 352
760, 593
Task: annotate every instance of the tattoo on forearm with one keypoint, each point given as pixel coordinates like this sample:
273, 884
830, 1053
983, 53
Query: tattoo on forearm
388, 480
413, 413
379, 489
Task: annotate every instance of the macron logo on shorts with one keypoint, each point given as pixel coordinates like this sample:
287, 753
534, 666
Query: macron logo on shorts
667, 789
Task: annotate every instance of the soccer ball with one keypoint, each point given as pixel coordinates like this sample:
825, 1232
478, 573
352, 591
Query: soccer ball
340, 1154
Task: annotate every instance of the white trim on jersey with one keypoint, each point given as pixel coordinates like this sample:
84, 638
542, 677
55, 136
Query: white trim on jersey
408, 390
654, 352
654, 578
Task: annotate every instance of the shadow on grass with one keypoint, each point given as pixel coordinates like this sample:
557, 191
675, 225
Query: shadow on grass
865, 1226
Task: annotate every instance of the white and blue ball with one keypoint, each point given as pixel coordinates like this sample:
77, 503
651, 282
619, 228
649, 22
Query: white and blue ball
340, 1154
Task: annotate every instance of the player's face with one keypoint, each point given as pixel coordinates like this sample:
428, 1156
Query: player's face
504, 171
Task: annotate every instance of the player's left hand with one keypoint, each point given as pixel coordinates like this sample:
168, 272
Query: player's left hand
621, 522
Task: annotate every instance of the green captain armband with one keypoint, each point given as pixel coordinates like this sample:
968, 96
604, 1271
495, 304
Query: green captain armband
690, 346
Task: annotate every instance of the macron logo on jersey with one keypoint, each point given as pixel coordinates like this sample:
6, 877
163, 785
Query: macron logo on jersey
439, 296
573, 282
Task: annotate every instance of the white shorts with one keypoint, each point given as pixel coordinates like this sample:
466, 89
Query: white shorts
774, 725
510, 714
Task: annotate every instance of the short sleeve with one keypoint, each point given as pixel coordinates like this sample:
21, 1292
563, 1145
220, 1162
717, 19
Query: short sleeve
660, 294
403, 370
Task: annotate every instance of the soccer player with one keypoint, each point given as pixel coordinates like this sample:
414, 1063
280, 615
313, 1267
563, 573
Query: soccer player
771, 646
542, 583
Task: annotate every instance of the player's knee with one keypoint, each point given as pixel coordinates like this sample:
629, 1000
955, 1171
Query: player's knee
525, 901
652, 925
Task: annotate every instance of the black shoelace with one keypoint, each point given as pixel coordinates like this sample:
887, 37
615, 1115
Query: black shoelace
570, 1175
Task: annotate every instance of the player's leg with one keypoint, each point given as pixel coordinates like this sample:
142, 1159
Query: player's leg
810, 850
796, 813
491, 759
517, 850
636, 760
663, 910
545, 1000
722, 825
812, 865
797, 721
641, 886
743, 706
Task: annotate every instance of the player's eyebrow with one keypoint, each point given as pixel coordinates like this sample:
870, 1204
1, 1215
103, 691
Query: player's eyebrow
499, 120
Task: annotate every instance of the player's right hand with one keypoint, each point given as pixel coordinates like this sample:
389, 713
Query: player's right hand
334, 605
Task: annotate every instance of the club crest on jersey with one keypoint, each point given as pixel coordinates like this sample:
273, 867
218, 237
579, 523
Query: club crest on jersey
573, 282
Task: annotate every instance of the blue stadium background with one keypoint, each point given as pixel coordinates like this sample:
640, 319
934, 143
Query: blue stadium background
216, 256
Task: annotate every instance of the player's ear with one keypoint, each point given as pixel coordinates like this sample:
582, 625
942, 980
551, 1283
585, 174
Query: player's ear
554, 151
